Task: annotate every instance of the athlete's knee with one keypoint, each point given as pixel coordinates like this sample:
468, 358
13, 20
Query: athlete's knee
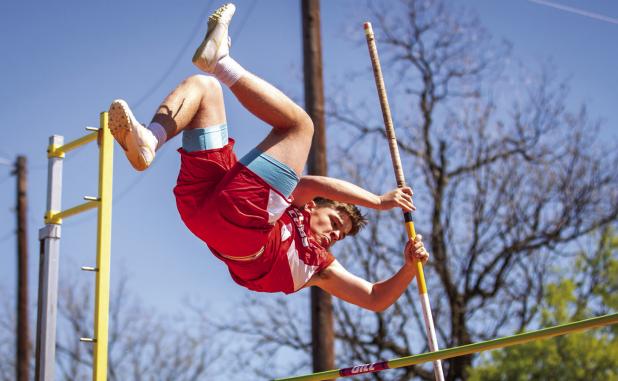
205, 84
304, 124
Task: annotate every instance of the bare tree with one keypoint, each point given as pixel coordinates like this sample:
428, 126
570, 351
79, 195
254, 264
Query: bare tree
143, 345
273, 336
508, 184
7, 336
506, 178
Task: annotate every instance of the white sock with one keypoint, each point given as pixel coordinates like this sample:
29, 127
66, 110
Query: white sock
228, 71
159, 132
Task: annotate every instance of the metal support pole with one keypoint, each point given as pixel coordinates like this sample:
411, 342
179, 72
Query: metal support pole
48, 272
50, 248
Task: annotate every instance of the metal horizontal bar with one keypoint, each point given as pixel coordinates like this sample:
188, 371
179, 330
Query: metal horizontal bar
463, 350
77, 143
57, 218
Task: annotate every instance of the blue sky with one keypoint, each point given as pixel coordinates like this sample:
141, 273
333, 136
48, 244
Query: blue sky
64, 61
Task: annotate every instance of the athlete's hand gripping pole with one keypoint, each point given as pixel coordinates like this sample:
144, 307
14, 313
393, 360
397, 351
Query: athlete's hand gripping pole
401, 182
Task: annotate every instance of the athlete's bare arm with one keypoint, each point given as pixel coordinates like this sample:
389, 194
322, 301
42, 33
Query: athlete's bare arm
338, 281
310, 187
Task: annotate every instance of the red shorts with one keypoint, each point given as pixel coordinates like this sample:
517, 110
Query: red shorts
224, 203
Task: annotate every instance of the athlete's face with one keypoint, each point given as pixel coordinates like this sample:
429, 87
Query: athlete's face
328, 225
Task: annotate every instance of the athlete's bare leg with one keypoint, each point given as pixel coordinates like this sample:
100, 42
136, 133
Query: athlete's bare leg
197, 102
290, 139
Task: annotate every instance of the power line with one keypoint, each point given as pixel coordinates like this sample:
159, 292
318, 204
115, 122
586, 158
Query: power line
7, 236
4, 154
129, 188
244, 20
181, 53
117, 198
122, 194
138, 103
7, 162
5, 179
577, 11
175, 61
134, 183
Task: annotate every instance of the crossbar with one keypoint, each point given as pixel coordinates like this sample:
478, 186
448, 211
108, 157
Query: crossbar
61, 150
463, 350
56, 218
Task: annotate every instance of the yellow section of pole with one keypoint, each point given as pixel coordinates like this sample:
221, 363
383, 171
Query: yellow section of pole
420, 278
401, 182
104, 237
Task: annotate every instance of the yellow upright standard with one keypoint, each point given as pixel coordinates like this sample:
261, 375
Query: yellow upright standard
50, 252
104, 239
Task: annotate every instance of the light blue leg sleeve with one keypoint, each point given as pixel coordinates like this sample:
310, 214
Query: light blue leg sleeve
200, 139
276, 174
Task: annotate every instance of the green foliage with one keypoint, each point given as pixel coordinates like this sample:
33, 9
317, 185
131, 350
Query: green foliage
591, 355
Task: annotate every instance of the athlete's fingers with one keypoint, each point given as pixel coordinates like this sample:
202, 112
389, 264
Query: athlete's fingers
407, 190
405, 202
406, 206
423, 256
407, 197
416, 251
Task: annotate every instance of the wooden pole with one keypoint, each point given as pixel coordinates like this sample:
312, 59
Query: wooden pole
23, 339
321, 302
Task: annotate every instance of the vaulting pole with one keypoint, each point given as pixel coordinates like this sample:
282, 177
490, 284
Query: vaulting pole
401, 182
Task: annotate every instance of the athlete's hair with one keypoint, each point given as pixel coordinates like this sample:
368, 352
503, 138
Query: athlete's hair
358, 219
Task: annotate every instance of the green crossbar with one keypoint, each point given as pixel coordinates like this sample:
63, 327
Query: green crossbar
463, 350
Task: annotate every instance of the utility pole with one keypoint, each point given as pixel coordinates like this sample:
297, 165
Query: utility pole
321, 302
23, 341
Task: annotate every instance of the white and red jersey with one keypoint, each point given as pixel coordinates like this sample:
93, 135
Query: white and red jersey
291, 257
238, 215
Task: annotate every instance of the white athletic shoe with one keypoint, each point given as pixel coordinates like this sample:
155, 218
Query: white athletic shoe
138, 142
216, 44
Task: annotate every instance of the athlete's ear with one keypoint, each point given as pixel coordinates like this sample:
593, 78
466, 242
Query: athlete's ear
310, 205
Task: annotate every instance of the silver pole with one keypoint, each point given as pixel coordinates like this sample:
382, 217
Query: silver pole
48, 272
